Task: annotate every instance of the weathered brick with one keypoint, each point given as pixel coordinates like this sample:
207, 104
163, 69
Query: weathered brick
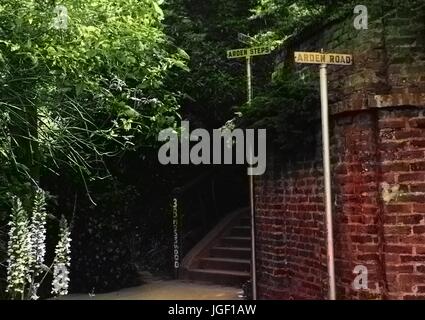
420, 249
408, 134
410, 219
411, 258
417, 187
417, 122
419, 208
419, 230
418, 166
398, 230
412, 197
400, 268
398, 208
405, 177
396, 166
419, 143
421, 289
392, 123
398, 249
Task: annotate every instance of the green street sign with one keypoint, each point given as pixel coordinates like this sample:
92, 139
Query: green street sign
248, 52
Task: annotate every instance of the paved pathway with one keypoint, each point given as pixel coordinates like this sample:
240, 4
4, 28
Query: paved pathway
166, 290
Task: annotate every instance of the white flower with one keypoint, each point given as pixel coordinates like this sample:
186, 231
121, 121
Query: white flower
34, 290
60, 279
62, 261
19, 250
38, 232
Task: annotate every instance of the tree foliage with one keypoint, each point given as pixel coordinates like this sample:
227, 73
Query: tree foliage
98, 87
206, 30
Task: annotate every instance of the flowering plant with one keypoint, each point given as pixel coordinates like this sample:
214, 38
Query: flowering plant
26, 268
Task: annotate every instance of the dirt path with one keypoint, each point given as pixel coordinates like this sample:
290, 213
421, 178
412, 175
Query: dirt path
166, 290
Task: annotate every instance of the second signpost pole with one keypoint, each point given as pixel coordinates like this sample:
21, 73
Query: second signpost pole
249, 78
248, 53
251, 189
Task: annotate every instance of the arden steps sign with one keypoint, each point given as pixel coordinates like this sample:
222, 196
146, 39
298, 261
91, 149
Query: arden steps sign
248, 52
323, 58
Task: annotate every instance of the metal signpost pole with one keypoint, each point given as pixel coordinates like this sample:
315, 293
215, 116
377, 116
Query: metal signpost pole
248, 53
324, 59
249, 78
251, 189
327, 178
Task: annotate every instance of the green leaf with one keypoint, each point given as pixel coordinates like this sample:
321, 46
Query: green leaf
51, 51
183, 54
15, 47
158, 10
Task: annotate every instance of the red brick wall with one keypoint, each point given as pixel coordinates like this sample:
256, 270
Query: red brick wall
402, 137
378, 169
357, 212
290, 232
372, 152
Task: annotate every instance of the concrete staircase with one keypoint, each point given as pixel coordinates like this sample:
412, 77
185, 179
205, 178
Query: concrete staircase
224, 255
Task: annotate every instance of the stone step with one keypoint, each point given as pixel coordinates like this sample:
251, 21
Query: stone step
224, 255
239, 242
224, 277
231, 252
225, 264
244, 221
241, 231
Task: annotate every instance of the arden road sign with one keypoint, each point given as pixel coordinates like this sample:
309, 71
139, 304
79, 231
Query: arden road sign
323, 58
248, 52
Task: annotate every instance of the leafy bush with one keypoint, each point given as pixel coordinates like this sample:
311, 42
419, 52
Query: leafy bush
288, 108
85, 92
